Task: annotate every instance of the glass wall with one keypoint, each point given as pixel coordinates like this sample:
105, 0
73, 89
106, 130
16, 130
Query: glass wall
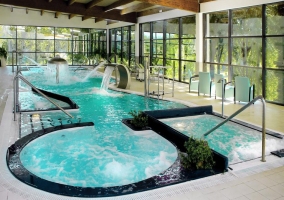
170, 42
144, 43
242, 42
36, 45
122, 45
274, 62
187, 48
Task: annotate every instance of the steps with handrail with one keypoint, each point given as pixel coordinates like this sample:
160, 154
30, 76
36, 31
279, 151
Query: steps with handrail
238, 112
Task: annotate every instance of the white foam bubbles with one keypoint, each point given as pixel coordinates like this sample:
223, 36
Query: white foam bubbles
160, 162
115, 171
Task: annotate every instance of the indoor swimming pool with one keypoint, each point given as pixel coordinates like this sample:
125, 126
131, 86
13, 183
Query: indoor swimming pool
109, 157
107, 154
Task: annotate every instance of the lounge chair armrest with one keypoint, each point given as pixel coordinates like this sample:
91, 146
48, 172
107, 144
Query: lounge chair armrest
195, 76
227, 84
252, 88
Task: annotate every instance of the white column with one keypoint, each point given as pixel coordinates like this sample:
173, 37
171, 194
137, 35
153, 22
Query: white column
199, 43
136, 40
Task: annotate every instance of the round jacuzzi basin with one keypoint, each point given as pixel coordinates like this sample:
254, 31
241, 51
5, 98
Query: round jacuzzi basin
85, 158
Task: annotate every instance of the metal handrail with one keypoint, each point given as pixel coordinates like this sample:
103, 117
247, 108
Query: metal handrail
18, 76
238, 112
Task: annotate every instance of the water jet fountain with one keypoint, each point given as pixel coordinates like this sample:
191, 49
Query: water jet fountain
59, 67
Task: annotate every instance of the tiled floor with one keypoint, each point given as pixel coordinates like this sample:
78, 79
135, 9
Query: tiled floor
250, 180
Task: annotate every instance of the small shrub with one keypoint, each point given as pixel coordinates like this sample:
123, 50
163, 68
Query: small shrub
139, 119
198, 155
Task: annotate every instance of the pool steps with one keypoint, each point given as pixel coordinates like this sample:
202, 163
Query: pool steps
35, 122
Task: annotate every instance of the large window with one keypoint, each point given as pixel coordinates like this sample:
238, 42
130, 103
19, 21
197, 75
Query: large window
122, 45
187, 48
274, 62
248, 42
170, 42
36, 45
144, 43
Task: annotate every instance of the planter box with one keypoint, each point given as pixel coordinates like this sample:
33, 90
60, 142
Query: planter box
127, 123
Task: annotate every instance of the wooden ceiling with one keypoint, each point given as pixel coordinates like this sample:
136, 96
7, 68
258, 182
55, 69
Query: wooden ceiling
110, 10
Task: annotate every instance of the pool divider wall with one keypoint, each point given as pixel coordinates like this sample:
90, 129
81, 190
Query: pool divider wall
176, 137
59, 97
180, 112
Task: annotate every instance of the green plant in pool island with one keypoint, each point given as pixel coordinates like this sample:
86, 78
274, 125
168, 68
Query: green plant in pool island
139, 119
198, 155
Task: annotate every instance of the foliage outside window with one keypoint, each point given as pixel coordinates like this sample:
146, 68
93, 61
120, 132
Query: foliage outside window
38, 44
245, 45
171, 43
122, 44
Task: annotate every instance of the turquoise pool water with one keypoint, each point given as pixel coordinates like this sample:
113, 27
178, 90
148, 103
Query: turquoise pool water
87, 158
108, 154
237, 142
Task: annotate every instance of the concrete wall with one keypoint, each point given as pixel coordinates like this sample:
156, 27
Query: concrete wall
218, 5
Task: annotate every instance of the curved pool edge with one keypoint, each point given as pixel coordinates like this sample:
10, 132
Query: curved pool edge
173, 175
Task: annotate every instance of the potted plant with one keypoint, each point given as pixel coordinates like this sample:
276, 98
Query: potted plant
3, 56
138, 122
198, 155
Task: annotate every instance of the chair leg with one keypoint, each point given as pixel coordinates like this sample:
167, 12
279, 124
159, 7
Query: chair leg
234, 95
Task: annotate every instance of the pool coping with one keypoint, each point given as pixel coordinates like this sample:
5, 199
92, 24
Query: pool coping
173, 175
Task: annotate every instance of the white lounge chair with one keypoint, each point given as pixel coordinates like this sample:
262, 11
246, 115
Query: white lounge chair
228, 89
205, 86
244, 91
193, 82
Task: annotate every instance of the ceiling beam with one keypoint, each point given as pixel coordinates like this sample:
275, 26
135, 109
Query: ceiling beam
117, 4
71, 16
86, 17
153, 11
70, 2
57, 14
93, 3
204, 1
111, 22
99, 19
189, 5
79, 9
136, 8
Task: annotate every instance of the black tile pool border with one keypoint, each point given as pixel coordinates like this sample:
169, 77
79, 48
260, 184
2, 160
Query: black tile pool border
173, 175
178, 138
